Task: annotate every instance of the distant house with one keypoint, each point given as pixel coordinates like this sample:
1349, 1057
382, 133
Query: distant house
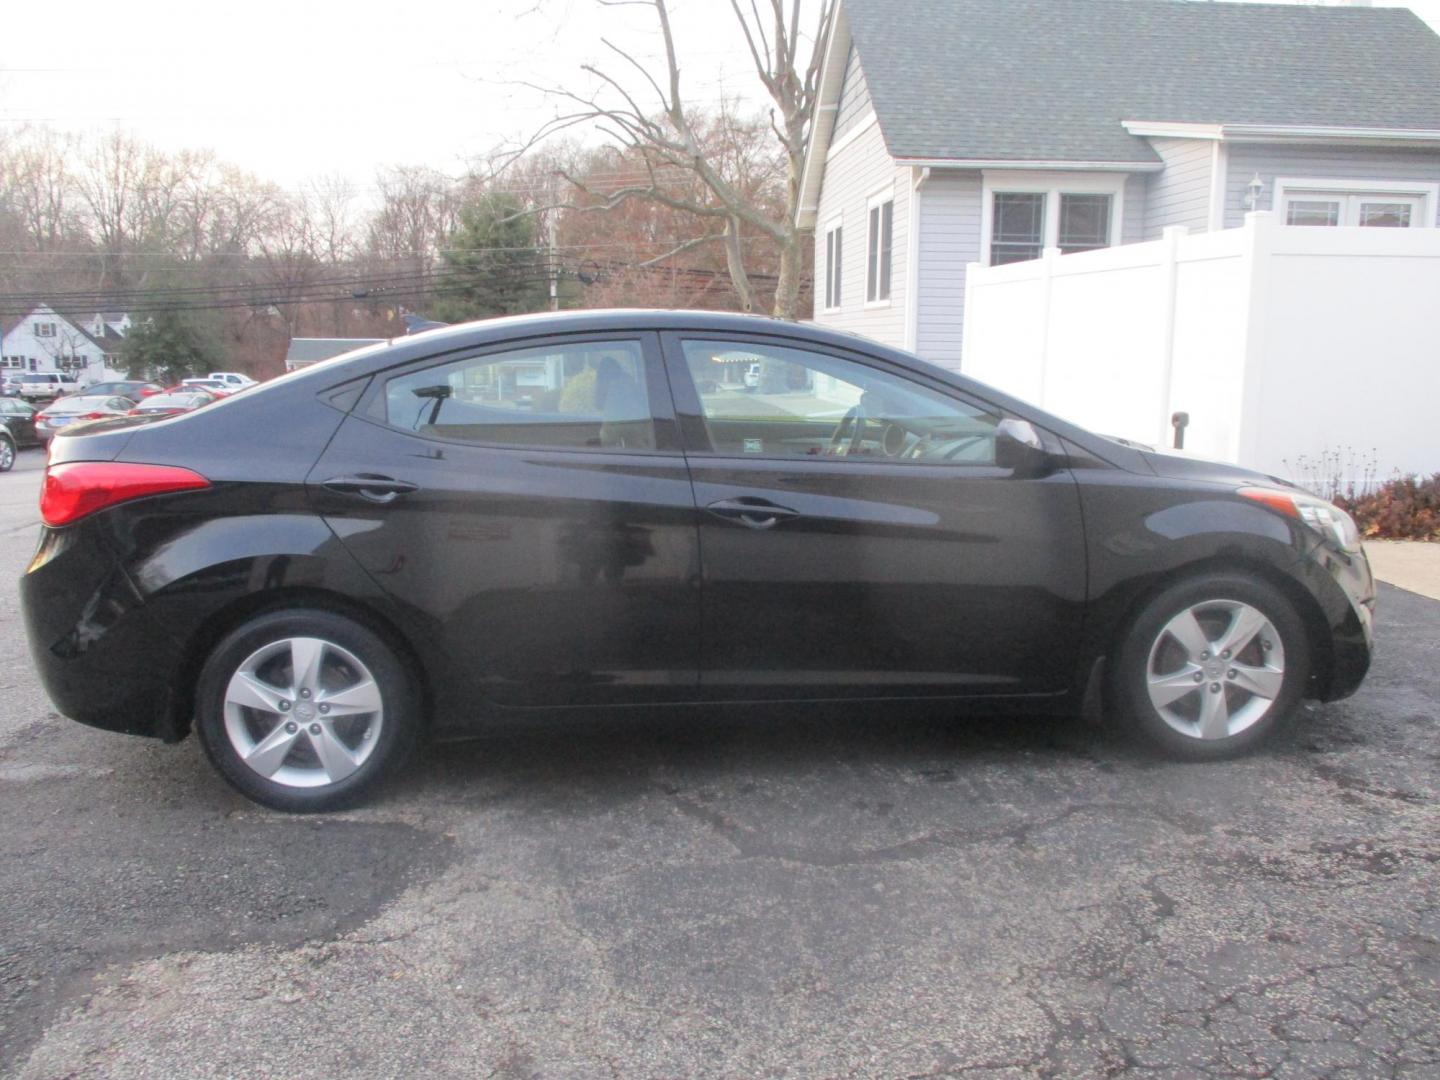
87, 346
306, 351
957, 132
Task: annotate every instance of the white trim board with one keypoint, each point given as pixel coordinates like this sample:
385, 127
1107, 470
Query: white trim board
1219, 179
1278, 132
918, 177
864, 124
1045, 166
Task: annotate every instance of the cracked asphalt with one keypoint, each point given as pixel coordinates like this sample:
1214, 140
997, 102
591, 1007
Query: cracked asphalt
736, 894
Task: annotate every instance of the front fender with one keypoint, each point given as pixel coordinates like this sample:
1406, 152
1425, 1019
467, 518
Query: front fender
1141, 540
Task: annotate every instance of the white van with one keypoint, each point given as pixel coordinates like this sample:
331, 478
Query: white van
46, 385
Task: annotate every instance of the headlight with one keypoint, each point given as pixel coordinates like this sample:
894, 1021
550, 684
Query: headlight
1324, 517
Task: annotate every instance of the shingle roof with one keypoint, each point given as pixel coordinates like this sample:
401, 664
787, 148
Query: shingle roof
1054, 79
309, 350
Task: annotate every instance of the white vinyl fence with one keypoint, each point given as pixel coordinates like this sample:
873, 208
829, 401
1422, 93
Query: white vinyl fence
1285, 345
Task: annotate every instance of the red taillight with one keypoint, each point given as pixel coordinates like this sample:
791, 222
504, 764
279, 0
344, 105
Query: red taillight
93, 416
77, 488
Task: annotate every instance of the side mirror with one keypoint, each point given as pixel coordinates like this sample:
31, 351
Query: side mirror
1019, 448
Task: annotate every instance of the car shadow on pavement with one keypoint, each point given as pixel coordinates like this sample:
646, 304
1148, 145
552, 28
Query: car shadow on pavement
719, 743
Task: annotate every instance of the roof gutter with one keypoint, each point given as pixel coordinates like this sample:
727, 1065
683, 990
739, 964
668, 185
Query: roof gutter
1307, 133
1036, 163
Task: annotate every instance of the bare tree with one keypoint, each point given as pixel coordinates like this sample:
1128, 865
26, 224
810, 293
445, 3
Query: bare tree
39, 189
667, 135
332, 203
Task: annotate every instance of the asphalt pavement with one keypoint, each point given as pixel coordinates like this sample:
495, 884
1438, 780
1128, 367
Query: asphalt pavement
806, 893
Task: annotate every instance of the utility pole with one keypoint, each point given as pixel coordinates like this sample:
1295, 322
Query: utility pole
552, 216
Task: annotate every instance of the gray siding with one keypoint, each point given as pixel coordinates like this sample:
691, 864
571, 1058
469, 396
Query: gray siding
1132, 224
949, 241
858, 171
854, 97
1181, 194
1319, 163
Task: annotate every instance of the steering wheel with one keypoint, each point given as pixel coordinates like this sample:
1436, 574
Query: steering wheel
854, 417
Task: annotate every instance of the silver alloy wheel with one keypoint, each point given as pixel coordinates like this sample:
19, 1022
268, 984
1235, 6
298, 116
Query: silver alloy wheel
7, 454
1215, 669
303, 712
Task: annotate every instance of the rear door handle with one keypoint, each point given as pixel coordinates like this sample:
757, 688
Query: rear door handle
755, 512
376, 488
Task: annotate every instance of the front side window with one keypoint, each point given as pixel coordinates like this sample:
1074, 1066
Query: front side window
878, 253
777, 401
570, 396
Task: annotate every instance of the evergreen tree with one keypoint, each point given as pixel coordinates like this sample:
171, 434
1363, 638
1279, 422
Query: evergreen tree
497, 265
170, 345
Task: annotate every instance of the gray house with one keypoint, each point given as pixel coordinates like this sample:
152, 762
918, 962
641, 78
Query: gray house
951, 132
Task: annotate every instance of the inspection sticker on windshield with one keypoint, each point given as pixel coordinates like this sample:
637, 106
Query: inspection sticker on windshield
754, 446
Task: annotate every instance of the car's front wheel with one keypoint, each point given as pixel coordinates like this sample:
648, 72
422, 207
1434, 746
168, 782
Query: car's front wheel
305, 710
1212, 666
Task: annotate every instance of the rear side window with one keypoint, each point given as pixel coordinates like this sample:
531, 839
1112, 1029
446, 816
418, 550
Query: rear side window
583, 395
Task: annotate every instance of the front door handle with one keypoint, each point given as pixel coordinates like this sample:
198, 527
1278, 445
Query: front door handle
755, 512
381, 489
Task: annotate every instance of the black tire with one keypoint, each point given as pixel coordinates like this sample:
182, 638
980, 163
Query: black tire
398, 732
1130, 694
7, 453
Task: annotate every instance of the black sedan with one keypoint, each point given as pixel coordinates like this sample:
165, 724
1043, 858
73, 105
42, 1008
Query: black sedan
19, 419
583, 511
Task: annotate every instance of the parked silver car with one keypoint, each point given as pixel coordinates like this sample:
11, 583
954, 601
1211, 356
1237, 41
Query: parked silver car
68, 410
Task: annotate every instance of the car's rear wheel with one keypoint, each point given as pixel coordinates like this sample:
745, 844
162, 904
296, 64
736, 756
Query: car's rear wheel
7, 453
305, 710
1212, 667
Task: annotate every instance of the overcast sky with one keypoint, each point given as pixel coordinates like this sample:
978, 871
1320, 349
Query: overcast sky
291, 89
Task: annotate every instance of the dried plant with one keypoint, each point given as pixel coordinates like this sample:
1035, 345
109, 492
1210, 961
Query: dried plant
1337, 474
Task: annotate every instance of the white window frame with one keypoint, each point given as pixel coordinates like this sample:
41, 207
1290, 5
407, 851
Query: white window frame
1287, 187
44, 330
835, 224
1052, 185
879, 199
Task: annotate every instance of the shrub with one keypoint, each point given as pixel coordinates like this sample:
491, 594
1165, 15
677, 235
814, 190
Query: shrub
1406, 508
